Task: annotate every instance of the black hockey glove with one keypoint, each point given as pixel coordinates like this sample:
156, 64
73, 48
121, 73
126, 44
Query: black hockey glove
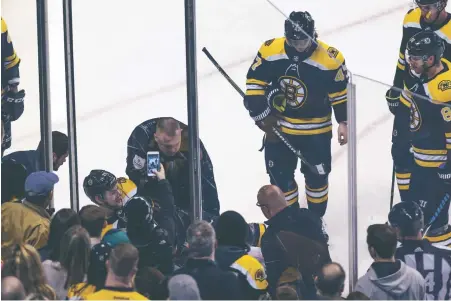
12, 104
444, 173
392, 96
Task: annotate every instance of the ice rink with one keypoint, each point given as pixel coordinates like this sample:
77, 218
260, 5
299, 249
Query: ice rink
130, 67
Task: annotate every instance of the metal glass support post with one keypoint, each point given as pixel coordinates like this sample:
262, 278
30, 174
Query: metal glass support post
193, 122
70, 99
46, 159
352, 186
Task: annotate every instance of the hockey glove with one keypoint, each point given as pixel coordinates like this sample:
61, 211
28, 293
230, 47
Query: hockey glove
444, 173
12, 104
392, 96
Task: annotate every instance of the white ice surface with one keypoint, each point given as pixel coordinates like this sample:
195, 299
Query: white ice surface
130, 67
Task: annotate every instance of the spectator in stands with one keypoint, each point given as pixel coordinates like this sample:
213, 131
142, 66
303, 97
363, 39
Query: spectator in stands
93, 219
97, 272
309, 243
357, 296
286, 292
60, 223
72, 264
149, 283
31, 159
122, 266
387, 278
232, 253
12, 289
28, 222
183, 287
213, 282
13, 179
22, 261
330, 281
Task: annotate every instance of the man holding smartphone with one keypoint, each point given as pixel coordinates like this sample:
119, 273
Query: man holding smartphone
169, 137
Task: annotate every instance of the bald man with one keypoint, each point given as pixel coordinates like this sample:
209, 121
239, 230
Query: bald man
293, 234
12, 289
330, 282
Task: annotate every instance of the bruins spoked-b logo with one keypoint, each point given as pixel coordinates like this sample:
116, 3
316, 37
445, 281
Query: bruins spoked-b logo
444, 85
415, 117
295, 91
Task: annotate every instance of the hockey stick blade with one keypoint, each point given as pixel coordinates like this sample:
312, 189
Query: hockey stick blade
317, 169
442, 204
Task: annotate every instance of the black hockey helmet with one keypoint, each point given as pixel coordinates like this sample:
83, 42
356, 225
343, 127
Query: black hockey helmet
425, 44
441, 4
300, 26
97, 182
408, 217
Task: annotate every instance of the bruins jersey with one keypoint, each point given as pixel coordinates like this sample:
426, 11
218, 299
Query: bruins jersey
441, 240
430, 123
312, 86
10, 60
80, 291
116, 293
253, 270
413, 24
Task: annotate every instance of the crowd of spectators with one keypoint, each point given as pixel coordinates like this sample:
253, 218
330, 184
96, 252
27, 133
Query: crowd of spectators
130, 246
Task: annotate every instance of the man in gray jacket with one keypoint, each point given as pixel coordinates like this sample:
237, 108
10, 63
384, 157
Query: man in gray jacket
387, 278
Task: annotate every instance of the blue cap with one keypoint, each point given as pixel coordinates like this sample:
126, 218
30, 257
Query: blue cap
40, 183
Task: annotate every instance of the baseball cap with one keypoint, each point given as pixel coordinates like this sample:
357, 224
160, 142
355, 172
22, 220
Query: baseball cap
40, 183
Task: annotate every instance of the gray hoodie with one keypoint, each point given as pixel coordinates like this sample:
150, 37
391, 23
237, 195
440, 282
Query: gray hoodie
405, 284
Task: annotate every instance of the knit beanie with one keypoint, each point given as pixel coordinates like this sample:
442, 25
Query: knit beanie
232, 229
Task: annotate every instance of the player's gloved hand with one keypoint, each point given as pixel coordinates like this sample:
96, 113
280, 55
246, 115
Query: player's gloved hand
444, 173
392, 96
12, 103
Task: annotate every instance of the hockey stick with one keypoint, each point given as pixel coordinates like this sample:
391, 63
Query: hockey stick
442, 204
317, 169
392, 191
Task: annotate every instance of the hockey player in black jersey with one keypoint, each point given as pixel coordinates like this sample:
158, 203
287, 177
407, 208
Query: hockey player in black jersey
293, 83
12, 97
429, 15
429, 99
433, 262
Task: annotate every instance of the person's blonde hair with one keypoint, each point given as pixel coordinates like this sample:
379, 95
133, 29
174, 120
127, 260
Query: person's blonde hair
23, 262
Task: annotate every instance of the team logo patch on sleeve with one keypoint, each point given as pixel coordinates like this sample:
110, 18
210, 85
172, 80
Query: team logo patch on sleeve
444, 85
269, 42
340, 76
138, 162
260, 275
333, 52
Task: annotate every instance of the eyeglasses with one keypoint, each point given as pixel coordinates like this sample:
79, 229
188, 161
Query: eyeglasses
261, 205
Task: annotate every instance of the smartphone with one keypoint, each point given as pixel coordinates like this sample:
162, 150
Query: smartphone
153, 163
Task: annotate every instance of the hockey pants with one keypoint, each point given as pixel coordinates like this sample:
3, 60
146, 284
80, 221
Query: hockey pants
428, 191
402, 157
281, 164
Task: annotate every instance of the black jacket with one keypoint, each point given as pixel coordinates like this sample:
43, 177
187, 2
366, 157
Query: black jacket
177, 171
155, 241
213, 282
294, 238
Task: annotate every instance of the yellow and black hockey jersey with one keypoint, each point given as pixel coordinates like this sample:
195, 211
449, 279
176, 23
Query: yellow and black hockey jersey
10, 60
116, 293
312, 86
413, 24
430, 123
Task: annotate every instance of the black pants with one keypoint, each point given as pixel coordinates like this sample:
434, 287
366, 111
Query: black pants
402, 157
428, 190
281, 163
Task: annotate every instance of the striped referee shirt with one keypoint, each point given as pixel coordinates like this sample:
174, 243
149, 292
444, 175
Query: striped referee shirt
433, 262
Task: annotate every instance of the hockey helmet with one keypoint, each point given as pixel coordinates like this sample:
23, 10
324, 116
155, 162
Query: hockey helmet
300, 26
425, 44
408, 217
441, 4
97, 182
